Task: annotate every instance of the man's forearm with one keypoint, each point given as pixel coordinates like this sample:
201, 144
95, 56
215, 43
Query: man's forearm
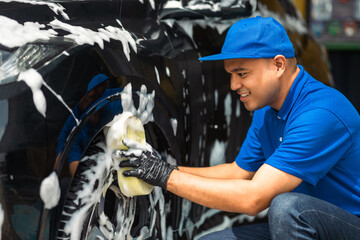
223, 171
233, 195
248, 196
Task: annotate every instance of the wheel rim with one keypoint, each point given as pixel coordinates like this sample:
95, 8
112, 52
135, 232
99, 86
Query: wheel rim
97, 221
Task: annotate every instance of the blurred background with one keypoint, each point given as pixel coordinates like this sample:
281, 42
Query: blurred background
336, 24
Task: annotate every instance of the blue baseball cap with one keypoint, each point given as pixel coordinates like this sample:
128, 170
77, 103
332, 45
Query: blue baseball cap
96, 80
256, 37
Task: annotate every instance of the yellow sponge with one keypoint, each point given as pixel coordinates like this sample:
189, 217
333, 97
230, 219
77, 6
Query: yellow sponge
123, 126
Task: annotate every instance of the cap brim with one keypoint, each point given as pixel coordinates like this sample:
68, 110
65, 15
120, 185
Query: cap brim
213, 57
224, 56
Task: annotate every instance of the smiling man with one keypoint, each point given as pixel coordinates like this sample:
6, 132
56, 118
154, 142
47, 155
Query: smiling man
301, 156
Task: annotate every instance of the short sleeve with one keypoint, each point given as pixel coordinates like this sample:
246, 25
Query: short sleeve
313, 143
75, 154
66, 129
251, 157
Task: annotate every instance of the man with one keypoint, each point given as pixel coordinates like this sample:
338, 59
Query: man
301, 156
96, 92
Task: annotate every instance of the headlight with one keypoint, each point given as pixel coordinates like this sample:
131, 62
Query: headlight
24, 58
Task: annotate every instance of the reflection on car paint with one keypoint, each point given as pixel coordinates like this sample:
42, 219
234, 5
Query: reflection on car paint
4, 117
34, 81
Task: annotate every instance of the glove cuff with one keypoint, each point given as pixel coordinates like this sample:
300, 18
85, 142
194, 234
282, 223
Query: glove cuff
166, 175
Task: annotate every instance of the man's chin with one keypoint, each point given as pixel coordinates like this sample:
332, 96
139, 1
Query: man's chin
251, 107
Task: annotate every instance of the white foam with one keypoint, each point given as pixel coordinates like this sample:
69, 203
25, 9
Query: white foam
173, 4
170, 22
14, 34
157, 74
216, 23
216, 98
196, 5
295, 24
1, 219
217, 155
185, 212
204, 99
152, 4
55, 7
34, 81
203, 79
62, 101
83, 35
157, 197
170, 159
174, 124
126, 99
187, 26
207, 214
238, 109
50, 191
183, 72
205, 5
228, 222
86, 194
146, 103
228, 108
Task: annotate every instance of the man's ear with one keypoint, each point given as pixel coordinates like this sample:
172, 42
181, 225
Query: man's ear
280, 62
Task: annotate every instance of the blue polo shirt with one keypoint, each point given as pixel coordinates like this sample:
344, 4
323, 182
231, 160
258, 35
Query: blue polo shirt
315, 136
88, 132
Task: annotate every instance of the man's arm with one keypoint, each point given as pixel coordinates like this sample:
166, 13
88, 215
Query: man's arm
233, 195
248, 196
222, 171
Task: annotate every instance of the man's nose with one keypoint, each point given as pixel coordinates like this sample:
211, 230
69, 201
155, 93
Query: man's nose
235, 83
91, 93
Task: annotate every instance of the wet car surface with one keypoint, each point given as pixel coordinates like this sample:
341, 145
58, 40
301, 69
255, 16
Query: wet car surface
149, 50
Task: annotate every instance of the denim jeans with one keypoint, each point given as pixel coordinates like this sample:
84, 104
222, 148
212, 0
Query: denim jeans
297, 216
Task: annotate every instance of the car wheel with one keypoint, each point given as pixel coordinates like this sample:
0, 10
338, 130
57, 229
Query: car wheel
95, 208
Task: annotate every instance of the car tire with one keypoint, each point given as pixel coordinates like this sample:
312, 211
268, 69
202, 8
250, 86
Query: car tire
94, 207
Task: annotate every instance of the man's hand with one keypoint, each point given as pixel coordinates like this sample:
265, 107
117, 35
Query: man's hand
146, 163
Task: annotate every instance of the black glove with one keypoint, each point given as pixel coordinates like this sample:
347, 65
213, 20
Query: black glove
146, 163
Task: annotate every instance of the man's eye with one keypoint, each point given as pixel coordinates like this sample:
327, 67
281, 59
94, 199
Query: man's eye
241, 74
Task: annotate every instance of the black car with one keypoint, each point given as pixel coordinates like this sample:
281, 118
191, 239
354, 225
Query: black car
50, 52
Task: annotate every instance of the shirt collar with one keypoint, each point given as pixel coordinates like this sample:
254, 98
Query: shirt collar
293, 94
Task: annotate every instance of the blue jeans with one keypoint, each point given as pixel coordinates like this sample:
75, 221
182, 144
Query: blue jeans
297, 216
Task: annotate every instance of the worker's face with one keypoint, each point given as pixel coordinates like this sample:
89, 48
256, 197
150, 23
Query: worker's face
91, 96
255, 80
